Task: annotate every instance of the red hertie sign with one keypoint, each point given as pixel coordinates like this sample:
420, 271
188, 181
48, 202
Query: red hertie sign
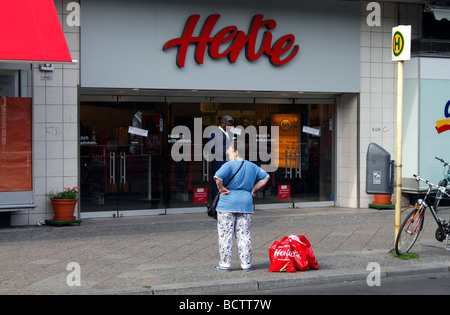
279, 53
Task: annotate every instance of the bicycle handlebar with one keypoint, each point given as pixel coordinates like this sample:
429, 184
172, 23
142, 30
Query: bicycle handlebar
441, 188
417, 177
441, 160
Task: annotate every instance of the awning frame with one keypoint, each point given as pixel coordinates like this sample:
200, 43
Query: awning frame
31, 32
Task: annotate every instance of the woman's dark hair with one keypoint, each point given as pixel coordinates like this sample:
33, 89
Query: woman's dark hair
238, 145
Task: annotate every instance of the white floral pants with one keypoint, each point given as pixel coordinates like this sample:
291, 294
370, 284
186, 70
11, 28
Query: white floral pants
229, 223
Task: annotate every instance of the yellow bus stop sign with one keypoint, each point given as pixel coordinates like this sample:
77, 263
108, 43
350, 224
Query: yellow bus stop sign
401, 43
398, 44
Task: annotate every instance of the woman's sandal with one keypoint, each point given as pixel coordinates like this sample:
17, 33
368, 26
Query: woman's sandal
218, 268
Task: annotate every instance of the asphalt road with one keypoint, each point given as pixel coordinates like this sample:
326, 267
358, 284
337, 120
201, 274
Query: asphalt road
425, 284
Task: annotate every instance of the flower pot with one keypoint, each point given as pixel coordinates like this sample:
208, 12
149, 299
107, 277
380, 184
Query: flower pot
64, 209
382, 199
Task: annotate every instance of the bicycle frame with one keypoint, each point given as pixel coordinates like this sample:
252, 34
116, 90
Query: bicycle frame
421, 213
412, 225
425, 205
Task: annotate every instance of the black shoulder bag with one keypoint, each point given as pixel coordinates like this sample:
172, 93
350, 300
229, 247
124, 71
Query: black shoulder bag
211, 207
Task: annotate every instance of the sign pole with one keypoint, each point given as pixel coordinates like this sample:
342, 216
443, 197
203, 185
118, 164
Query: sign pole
398, 169
401, 50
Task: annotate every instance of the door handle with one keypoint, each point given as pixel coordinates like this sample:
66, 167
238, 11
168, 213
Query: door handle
123, 167
112, 167
288, 170
205, 167
298, 173
290, 163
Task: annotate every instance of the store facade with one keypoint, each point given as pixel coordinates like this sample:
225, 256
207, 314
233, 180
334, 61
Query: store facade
194, 63
154, 76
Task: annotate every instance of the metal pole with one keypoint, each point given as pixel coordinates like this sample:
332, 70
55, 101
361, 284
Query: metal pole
398, 173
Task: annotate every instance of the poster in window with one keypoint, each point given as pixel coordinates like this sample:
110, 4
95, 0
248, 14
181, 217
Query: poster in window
15, 144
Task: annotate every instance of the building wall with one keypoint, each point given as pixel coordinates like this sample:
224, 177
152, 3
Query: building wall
361, 119
346, 156
378, 105
55, 127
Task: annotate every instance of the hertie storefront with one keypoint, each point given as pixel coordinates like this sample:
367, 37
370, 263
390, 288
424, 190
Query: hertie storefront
27, 40
157, 75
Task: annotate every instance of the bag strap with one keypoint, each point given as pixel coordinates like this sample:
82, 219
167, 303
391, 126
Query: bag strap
235, 173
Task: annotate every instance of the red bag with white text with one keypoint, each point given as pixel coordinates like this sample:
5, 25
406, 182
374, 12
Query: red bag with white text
303, 255
281, 256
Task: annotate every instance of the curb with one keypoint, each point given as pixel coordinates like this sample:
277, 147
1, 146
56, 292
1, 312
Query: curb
418, 270
236, 286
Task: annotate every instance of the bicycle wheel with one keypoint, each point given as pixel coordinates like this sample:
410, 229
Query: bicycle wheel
409, 231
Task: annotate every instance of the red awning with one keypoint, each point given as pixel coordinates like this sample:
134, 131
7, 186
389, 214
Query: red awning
30, 30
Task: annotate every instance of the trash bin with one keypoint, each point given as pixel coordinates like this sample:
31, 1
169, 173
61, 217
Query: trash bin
379, 171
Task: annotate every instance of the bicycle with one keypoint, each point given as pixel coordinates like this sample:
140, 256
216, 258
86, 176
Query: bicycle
443, 183
413, 223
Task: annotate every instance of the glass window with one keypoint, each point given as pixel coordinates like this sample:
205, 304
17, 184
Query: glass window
15, 144
16, 179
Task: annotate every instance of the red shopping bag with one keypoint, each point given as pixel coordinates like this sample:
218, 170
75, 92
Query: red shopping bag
304, 258
281, 256
292, 253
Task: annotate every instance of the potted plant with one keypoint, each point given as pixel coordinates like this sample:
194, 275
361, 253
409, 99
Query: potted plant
64, 203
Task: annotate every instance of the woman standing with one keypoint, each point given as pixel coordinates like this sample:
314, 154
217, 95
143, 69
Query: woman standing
235, 206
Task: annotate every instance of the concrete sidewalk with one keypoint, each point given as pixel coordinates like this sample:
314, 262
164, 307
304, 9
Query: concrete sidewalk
176, 254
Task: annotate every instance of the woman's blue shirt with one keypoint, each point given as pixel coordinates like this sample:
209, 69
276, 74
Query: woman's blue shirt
240, 198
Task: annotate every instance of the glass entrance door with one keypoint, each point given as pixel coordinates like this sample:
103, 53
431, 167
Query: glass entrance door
305, 151
188, 172
147, 156
122, 157
286, 181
